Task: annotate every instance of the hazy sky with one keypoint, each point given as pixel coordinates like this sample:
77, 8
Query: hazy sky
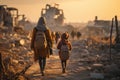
74, 10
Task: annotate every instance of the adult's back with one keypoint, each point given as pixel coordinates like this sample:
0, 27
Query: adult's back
40, 40
42, 50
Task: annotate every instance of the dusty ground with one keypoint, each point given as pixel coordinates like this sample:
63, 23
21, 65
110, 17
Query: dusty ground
76, 70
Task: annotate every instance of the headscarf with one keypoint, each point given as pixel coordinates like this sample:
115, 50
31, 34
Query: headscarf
41, 25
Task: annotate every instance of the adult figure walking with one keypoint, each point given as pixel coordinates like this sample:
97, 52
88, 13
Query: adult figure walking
78, 35
41, 43
73, 34
57, 37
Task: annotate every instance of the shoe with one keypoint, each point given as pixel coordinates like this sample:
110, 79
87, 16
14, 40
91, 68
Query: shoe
63, 71
42, 73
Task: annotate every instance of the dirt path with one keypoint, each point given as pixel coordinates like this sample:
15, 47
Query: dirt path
75, 69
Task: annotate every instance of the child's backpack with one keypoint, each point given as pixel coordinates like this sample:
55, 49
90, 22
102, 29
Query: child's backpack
40, 40
64, 54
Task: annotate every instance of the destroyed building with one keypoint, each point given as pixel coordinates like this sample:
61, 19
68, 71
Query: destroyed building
10, 18
53, 15
8, 15
100, 27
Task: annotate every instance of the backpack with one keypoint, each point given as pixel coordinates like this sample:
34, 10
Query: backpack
40, 40
64, 54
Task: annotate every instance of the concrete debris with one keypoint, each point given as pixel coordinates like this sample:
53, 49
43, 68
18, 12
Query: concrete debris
99, 76
15, 50
90, 53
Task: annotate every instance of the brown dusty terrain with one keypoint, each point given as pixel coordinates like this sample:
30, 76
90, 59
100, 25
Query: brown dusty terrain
75, 69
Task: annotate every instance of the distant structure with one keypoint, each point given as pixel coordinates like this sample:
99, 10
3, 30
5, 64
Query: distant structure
10, 17
53, 15
99, 27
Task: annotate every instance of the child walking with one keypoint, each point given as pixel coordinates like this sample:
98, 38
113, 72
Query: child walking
64, 47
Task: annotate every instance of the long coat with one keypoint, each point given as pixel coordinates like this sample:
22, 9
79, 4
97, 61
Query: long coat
45, 52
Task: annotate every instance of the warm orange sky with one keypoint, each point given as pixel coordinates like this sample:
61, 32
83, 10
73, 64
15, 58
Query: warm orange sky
74, 10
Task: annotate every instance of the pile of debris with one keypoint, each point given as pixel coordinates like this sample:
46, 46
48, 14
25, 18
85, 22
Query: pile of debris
14, 50
99, 61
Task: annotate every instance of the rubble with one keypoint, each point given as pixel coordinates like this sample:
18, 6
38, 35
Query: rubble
15, 50
99, 76
91, 53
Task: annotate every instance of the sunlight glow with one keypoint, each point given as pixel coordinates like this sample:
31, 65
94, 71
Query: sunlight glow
74, 10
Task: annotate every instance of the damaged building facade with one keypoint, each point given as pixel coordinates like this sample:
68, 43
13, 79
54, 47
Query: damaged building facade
10, 18
108, 30
54, 16
101, 27
8, 15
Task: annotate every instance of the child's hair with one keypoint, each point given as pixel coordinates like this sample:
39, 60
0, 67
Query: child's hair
65, 35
